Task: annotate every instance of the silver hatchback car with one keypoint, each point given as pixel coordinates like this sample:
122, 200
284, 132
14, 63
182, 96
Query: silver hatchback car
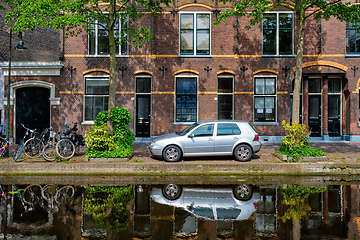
208, 138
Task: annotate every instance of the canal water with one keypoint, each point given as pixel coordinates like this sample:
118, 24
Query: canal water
233, 209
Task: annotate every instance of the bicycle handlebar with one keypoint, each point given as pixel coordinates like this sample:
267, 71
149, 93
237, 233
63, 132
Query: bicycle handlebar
28, 128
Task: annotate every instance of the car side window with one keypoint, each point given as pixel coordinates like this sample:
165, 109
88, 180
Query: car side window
204, 131
228, 129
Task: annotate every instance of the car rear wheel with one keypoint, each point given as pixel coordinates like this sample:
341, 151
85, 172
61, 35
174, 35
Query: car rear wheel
171, 191
243, 153
172, 153
243, 192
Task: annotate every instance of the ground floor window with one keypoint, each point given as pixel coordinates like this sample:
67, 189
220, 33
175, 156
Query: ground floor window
265, 99
96, 96
186, 99
225, 97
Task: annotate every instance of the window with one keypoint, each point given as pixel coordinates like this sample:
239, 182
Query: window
96, 96
265, 99
186, 99
228, 129
352, 38
204, 131
195, 34
99, 38
278, 34
225, 98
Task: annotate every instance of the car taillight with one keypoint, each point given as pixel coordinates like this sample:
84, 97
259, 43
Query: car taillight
256, 138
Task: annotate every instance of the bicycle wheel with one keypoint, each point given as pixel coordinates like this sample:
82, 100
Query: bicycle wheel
2, 152
33, 147
32, 194
48, 192
49, 152
64, 195
65, 148
18, 152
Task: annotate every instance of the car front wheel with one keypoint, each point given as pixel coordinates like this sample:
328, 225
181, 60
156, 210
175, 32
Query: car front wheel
172, 153
243, 153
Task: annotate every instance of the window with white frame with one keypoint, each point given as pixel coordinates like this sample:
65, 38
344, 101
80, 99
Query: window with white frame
265, 99
186, 99
225, 97
194, 33
96, 96
278, 33
99, 38
352, 38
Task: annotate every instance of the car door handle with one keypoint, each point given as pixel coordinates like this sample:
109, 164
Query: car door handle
236, 138
211, 140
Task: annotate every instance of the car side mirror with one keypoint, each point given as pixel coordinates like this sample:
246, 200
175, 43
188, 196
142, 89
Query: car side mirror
191, 135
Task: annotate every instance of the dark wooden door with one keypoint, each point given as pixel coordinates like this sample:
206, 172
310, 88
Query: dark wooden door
32, 109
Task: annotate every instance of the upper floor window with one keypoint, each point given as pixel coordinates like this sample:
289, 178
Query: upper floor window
186, 99
352, 38
195, 34
278, 34
265, 99
99, 38
96, 96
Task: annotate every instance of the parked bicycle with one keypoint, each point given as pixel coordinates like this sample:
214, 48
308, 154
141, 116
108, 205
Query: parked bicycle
35, 145
30, 147
70, 142
4, 143
49, 150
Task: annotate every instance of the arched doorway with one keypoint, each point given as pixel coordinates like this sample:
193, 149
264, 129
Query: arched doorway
32, 108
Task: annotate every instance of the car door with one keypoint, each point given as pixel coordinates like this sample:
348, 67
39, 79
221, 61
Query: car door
200, 141
226, 136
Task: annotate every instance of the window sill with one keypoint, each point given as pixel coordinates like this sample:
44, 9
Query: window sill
88, 123
266, 123
352, 55
195, 56
278, 56
105, 56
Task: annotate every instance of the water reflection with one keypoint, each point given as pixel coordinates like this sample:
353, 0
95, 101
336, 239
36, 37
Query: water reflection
174, 211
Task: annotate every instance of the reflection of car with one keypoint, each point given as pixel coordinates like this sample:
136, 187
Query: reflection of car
208, 138
212, 203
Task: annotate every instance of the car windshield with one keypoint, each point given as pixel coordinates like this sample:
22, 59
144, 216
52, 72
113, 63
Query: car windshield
188, 129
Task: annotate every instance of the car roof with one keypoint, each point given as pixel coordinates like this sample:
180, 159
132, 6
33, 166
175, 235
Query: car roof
222, 121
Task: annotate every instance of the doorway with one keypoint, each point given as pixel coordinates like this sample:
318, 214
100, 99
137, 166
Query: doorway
143, 109
32, 109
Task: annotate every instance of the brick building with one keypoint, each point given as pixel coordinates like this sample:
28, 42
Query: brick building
193, 70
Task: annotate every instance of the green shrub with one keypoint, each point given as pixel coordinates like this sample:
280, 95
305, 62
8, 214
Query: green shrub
102, 144
296, 143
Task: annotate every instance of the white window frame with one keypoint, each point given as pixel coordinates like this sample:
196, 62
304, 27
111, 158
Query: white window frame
266, 95
277, 34
96, 32
197, 98
195, 33
91, 95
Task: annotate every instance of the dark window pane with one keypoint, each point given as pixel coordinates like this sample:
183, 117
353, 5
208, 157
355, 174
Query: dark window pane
94, 105
285, 42
92, 41
225, 129
97, 86
225, 85
225, 106
315, 85
143, 85
204, 131
269, 21
186, 99
103, 42
269, 42
334, 85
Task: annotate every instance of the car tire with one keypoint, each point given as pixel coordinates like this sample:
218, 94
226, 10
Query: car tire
172, 153
243, 192
243, 153
171, 191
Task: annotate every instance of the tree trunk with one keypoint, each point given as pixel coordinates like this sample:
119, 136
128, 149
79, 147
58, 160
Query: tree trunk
299, 62
112, 67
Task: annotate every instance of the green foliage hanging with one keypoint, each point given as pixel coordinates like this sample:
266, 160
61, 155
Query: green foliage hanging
108, 205
295, 197
102, 144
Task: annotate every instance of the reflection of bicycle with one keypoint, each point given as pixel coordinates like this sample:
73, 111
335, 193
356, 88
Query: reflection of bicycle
70, 141
30, 146
5, 144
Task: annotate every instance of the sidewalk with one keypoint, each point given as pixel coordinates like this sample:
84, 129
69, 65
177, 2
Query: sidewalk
343, 159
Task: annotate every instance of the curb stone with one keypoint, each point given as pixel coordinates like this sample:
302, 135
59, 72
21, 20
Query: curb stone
307, 159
